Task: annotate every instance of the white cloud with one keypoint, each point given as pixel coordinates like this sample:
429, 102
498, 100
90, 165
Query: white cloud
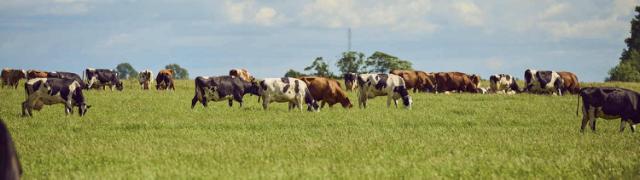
248, 12
554, 10
266, 16
469, 13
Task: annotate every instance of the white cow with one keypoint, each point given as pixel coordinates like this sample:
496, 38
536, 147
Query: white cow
390, 85
291, 90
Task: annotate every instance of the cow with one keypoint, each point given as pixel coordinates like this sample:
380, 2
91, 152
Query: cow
222, 88
609, 103
350, 81
11, 77
503, 84
242, 74
291, 90
426, 81
67, 75
104, 77
36, 74
327, 91
457, 81
164, 80
10, 167
571, 83
543, 82
49, 91
145, 79
390, 85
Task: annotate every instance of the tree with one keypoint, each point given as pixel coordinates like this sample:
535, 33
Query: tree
320, 67
126, 71
179, 72
381, 62
351, 62
293, 74
629, 67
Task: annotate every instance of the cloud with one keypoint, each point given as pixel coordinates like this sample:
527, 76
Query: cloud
554, 10
265, 16
46, 7
248, 12
469, 13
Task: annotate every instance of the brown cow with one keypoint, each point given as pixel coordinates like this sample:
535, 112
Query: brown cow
456, 81
164, 80
426, 81
410, 78
36, 74
327, 91
243, 74
571, 82
11, 77
9, 162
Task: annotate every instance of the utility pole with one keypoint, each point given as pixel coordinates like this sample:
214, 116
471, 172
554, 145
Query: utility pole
349, 40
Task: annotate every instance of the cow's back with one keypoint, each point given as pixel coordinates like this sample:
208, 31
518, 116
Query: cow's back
571, 82
9, 162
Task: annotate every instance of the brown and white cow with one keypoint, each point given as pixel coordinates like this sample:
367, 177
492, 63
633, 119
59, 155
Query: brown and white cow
457, 81
327, 91
164, 80
145, 79
290, 90
571, 83
49, 91
390, 85
36, 74
10, 167
350, 81
11, 77
242, 74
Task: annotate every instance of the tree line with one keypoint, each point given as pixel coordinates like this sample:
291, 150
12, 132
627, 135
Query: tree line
629, 67
354, 62
126, 71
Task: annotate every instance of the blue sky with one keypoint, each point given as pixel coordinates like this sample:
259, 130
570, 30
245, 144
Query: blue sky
270, 37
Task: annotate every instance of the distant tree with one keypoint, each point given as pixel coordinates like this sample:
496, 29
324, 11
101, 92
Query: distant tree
320, 67
293, 74
179, 72
351, 62
381, 62
126, 71
629, 67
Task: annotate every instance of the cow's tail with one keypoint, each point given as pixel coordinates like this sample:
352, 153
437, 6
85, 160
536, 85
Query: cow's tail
578, 106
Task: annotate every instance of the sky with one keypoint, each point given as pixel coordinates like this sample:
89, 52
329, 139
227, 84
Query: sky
268, 37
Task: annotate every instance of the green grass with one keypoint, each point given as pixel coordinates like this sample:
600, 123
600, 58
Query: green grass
149, 134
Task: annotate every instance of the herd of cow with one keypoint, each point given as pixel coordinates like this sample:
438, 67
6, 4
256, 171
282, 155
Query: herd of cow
47, 88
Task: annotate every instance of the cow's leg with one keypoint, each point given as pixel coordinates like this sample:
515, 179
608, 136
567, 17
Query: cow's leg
389, 98
585, 117
194, 101
323, 103
69, 107
623, 123
632, 126
24, 108
230, 102
237, 97
265, 102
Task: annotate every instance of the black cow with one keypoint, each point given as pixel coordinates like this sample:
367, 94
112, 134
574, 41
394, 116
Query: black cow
609, 103
350, 81
9, 162
49, 91
103, 76
67, 75
222, 88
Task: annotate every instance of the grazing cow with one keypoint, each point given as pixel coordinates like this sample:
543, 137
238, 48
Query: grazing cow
11, 77
145, 79
31, 74
457, 81
503, 84
426, 81
49, 91
106, 77
164, 80
543, 82
67, 75
327, 91
10, 167
390, 85
222, 88
291, 90
571, 83
350, 81
242, 74
609, 103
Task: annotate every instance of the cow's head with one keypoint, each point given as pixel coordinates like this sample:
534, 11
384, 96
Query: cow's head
254, 88
404, 93
119, 86
83, 108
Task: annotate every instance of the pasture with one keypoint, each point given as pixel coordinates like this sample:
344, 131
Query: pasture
137, 134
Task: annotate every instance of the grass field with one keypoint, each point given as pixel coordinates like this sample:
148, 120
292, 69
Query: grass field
138, 134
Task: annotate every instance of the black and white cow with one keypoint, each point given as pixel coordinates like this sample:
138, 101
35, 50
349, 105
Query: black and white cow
10, 167
49, 91
609, 103
106, 77
291, 90
222, 88
390, 85
145, 79
67, 75
503, 84
543, 82
350, 81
